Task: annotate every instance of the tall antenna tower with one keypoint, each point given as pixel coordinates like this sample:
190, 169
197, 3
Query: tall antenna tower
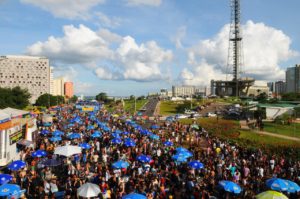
237, 86
235, 43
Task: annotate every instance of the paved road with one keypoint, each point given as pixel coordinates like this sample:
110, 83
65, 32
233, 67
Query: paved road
150, 106
245, 126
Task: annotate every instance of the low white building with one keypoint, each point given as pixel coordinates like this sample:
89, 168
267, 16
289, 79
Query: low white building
258, 88
15, 126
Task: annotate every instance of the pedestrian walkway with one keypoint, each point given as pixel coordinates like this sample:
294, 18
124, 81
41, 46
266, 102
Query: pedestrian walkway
244, 126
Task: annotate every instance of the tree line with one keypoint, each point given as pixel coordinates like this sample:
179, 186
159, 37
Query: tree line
19, 98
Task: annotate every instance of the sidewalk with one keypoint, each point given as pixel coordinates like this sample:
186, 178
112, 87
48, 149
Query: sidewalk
244, 126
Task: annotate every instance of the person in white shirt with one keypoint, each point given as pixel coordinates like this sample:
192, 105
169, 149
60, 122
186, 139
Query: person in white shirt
158, 152
47, 187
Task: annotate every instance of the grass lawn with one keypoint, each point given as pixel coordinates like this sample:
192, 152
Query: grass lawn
292, 130
129, 105
229, 130
168, 108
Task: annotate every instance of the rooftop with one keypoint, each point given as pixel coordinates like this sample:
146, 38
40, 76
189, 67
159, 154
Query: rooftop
20, 57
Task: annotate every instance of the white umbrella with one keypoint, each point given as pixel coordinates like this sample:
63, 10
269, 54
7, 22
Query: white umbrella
88, 190
67, 150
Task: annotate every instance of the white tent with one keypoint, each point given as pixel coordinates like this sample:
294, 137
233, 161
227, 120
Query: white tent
67, 150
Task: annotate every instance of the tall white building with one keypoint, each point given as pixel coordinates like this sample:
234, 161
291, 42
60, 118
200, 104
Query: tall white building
51, 81
58, 86
32, 73
183, 91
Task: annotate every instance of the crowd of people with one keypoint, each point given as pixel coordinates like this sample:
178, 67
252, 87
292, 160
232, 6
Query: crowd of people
161, 177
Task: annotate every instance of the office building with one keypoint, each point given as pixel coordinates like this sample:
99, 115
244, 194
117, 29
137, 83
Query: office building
69, 90
58, 86
271, 86
280, 87
51, 81
183, 91
292, 76
27, 72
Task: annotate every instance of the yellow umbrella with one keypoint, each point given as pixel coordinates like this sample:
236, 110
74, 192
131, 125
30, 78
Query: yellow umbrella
271, 195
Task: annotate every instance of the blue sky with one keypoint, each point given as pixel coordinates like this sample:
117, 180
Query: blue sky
125, 47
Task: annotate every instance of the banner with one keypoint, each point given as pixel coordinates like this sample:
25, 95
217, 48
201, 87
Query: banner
88, 108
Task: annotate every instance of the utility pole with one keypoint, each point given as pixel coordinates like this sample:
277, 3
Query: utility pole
134, 104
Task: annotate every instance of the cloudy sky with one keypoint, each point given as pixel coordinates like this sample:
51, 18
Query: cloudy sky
125, 47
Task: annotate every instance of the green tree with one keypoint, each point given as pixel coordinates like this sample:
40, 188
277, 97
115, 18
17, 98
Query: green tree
44, 100
15, 97
262, 97
73, 99
102, 97
131, 97
290, 97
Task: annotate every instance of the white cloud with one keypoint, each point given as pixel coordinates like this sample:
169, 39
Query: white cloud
109, 36
137, 62
180, 34
70, 9
93, 49
201, 74
264, 48
143, 2
78, 45
105, 21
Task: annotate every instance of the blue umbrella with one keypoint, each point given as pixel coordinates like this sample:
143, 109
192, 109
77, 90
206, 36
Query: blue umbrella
118, 131
5, 178
293, 187
154, 137
71, 125
90, 127
155, 127
196, 164
179, 158
39, 153
181, 149
16, 165
168, 143
134, 196
45, 132
74, 136
128, 140
57, 133
106, 128
85, 146
115, 135
9, 190
277, 184
145, 132
230, 186
55, 139
143, 158
96, 134
129, 143
185, 154
116, 141
120, 164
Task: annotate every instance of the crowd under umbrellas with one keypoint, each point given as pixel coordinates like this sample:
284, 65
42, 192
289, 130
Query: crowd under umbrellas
99, 155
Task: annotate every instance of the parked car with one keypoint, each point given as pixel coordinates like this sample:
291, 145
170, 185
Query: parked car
182, 116
209, 114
